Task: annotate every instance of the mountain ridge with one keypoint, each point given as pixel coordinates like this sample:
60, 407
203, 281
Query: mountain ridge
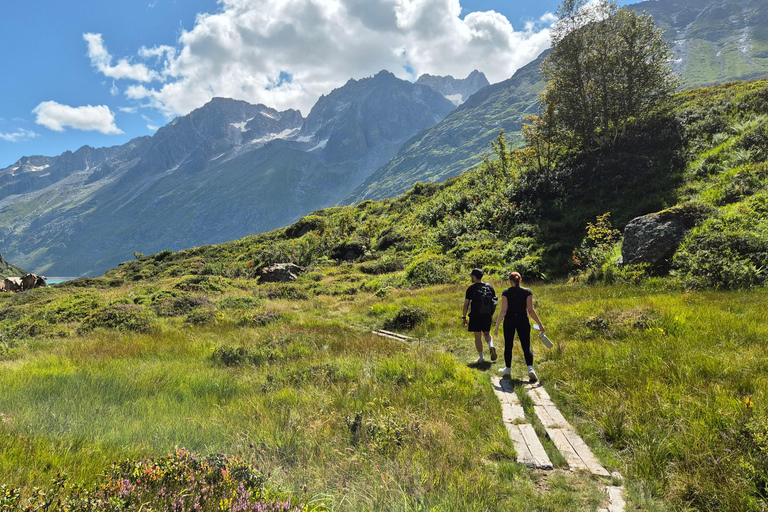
226, 170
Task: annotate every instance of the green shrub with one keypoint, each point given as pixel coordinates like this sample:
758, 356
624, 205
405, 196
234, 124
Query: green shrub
262, 318
73, 309
179, 481
122, 317
180, 306
240, 303
304, 225
384, 265
406, 318
287, 291
349, 250
202, 316
228, 355
204, 284
428, 269
729, 251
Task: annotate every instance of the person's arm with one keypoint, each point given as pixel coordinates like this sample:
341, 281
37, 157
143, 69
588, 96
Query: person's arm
464, 313
502, 314
532, 312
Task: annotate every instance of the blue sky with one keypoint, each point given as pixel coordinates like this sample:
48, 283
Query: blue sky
101, 72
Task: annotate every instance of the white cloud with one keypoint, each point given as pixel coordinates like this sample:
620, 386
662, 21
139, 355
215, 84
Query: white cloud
57, 116
20, 134
102, 60
286, 53
128, 110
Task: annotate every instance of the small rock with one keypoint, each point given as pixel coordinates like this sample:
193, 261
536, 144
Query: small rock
280, 273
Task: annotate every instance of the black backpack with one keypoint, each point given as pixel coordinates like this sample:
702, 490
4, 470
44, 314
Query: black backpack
484, 300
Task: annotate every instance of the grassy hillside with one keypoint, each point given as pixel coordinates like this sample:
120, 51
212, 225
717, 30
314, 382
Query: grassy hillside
665, 383
6, 269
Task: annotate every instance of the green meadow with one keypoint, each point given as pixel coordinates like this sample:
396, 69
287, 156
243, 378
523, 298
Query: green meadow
655, 379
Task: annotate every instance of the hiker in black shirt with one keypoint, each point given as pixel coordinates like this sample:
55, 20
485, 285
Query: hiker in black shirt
516, 305
480, 314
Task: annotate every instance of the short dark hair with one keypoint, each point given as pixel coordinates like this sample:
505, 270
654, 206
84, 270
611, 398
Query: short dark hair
477, 273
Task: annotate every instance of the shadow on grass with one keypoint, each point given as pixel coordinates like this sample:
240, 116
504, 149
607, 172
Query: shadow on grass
484, 366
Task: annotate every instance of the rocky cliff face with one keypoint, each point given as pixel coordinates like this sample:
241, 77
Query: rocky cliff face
456, 90
226, 170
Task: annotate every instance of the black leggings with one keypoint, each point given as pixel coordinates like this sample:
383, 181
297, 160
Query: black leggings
523, 326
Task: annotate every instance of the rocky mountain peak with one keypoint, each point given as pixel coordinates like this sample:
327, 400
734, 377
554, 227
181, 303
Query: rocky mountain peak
455, 90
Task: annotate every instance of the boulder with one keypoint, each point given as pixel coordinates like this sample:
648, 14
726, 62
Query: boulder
280, 273
13, 284
655, 237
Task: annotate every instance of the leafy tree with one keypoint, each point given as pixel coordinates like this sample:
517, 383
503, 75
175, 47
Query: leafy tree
607, 66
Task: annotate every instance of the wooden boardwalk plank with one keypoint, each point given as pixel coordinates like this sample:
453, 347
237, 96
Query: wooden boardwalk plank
586, 455
524, 455
557, 435
535, 447
512, 413
530, 451
616, 501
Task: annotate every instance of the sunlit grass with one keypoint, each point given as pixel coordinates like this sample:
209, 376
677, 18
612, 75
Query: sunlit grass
652, 377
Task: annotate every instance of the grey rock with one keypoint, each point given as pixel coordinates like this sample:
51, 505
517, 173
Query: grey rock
654, 238
280, 273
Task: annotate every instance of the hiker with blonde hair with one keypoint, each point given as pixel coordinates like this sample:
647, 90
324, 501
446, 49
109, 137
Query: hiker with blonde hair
516, 305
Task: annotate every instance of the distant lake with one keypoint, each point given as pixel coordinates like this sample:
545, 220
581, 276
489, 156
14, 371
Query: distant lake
57, 280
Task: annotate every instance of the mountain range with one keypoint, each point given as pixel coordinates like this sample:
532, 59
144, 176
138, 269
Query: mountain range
230, 169
226, 170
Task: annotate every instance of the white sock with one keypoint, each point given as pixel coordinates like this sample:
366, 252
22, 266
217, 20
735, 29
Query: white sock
480, 354
489, 339
530, 368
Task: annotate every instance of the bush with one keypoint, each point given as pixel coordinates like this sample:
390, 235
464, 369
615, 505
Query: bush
204, 316
72, 309
204, 284
730, 251
304, 225
428, 269
237, 356
406, 318
180, 481
349, 250
384, 265
180, 306
240, 303
262, 318
122, 317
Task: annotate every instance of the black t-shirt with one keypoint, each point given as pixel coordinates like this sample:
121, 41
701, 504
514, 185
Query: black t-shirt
471, 294
517, 299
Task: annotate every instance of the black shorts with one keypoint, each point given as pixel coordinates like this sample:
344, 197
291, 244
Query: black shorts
480, 323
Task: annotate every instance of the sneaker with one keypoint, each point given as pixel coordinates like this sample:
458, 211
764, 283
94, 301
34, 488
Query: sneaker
480, 360
532, 378
493, 353
504, 371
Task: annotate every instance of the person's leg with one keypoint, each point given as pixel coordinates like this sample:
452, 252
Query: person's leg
479, 344
491, 348
524, 331
509, 338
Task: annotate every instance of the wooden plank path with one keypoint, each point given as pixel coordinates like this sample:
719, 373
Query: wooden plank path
529, 449
392, 335
563, 435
